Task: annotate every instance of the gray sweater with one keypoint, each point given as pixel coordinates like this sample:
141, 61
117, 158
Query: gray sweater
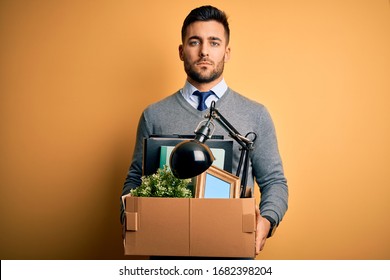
174, 115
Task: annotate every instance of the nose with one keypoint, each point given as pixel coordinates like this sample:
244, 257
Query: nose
204, 50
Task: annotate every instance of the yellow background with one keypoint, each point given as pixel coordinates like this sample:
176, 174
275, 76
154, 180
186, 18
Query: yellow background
75, 76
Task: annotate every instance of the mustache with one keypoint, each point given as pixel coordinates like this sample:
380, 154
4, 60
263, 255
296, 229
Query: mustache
204, 60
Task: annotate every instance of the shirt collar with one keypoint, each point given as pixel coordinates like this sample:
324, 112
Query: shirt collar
219, 89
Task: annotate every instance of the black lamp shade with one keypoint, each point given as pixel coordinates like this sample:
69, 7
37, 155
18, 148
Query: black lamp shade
190, 158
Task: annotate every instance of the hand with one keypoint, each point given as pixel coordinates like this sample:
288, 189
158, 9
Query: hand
262, 229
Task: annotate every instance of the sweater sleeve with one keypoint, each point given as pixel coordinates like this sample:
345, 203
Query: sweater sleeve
268, 170
133, 178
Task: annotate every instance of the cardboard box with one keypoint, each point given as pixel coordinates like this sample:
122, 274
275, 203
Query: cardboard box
190, 227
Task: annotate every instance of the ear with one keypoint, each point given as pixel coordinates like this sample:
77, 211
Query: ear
181, 52
227, 54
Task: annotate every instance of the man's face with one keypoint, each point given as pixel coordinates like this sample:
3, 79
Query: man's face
204, 52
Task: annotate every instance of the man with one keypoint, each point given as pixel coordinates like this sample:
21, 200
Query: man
204, 52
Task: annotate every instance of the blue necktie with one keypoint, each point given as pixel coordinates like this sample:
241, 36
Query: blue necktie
202, 98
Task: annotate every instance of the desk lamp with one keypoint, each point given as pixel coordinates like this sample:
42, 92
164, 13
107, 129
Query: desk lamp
193, 157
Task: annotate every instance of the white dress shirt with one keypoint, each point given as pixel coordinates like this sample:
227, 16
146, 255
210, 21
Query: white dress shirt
188, 90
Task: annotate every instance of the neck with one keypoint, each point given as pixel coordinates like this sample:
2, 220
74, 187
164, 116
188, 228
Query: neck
204, 86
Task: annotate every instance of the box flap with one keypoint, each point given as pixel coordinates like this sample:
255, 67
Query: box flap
131, 203
248, 216
131, 221
131, 209
248, 223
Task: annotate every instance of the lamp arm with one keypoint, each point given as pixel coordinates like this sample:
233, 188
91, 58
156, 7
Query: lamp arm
244, 142
217, 116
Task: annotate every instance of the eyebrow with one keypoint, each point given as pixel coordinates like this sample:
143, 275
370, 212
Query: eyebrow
211, 38
215, 39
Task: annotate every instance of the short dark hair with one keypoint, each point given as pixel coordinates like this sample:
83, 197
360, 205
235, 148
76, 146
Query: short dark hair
206, 13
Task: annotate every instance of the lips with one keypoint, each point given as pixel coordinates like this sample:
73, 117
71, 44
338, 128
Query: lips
204, 62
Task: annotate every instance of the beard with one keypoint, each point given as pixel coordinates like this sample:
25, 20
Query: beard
202, 76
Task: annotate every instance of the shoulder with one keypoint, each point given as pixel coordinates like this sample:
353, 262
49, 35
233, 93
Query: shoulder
164, 103
241, 102
243, 110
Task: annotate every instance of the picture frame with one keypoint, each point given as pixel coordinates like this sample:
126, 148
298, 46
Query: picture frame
217, 183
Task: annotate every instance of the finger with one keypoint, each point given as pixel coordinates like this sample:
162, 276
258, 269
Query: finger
258, 242
262, 246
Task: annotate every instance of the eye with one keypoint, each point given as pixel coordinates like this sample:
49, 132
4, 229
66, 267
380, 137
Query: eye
193, 43
214, 43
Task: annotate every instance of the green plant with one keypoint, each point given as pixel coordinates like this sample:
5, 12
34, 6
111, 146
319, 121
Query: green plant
162, 184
